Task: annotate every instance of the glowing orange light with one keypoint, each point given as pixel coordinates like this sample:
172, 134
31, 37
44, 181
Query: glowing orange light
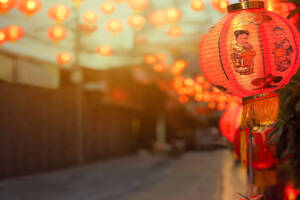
118, 1
158, 18
206, 85
161, 57
107, 8
189, 82
174, 15
183, 99
211, 105
59, 13
221, 106
199, 79
159, 67
105, 50
197, 5
3, 37
138, 5
198, 97
6, 5
175, 31
30, 7
77, 2
114, 26
198, 88
150, 59
206, 96
178, 66
14, 33
220, 5
64, 58
136, 21
90, 17
57, 33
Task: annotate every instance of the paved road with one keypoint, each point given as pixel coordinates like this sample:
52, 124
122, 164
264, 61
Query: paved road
207, 175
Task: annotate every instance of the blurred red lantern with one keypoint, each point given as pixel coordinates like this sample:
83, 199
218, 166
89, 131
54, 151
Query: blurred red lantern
175, 31
30, 7
174, 15
138, 5
57, 33
88, 29
161, 57
105, 50
179, 66
230, 122
158, 18
159, 67
183, 99
257, 53
150, 59
59, 13
90, 17
6, 5
212, 105
114, 26
107, 8
136, 21
3, 37
189, 82
220, 5
197, 5
64, 58
199, 79
14, 32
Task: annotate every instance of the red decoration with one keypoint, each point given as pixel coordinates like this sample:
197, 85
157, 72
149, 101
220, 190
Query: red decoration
6, 5
64, 58
104, 50
159, 67
150, 59
3, 37
14, 32
179, 66
90, 17
158, 18
59, 13
136, 21
175, 31
114, 26
138, 5
107, 8
197, 5
220, 5
88, 29
30, 7
174, 15
57, 33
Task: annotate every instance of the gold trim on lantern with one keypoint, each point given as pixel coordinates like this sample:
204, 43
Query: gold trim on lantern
245, 5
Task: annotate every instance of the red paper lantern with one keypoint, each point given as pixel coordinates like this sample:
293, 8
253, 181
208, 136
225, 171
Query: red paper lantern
250, 53
57, 33
136, 21
179, 66
107, 8
174, 15
59, 13
183, 99
161, 57
159, 67
90, 17
114, 26
138, 5
175, 31
158, 18
30, 7
14, 32
88, 29
3, 37
64, 58
104, 50
150, 59
197, 5
6, 5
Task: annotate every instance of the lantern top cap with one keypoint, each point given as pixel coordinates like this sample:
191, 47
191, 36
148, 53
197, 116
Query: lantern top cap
245, 5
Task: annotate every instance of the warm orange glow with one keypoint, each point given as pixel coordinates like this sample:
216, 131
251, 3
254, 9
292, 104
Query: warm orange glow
221, 106
150, 59
189, 82
158, 18
198, 97
206, 85
161, 57
159, 67
14, 32
220, 5
175, 31
183, 99
114, 26
30, 7
118, 1
57, 33
6, 5
90, 17
138, 5
105, 50
64, 58
77, 2
59, 13
3, 37
199, 79
88, 28
206, 96
197, 5
174, 15
198, 88
136, 21
178, 66
107, 8
212, 105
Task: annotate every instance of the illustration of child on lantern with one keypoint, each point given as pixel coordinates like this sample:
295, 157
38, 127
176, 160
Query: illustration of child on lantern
243, 53
283, 50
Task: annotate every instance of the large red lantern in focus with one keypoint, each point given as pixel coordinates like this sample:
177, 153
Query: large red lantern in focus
114, 26
138, 5
57, 33
257, 52
14, 32
136, 21
6, 5
59, 13
3, 37
30, 7
64, 58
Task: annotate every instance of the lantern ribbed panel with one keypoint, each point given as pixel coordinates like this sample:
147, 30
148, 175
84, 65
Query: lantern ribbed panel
250, 52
